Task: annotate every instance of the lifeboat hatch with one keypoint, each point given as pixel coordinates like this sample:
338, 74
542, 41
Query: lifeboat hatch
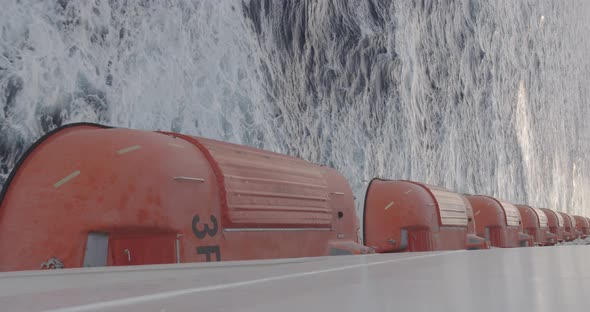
138, 250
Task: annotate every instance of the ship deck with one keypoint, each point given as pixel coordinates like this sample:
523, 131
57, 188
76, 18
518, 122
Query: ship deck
520, 279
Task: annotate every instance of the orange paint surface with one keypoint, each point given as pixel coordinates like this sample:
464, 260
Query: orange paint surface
583, 226
499, 223
193, 199
409, 216
532, 226
554, 224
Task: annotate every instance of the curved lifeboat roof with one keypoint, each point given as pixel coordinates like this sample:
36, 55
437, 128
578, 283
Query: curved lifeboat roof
565, 219
528, 216
492, 211
512, 213
248, 179
572, 220
453, 208
560, 220
539, 217
394, 205
244, 175
553, 218
418, 202
542, 217
581, 222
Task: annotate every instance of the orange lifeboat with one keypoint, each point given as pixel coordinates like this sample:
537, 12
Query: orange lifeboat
583, 226
555, 223
87, 195
409, 216
572, 225
499, 222
569, 227
534, 223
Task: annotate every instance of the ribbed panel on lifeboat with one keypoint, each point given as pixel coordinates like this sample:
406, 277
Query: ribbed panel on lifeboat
453, 210
512, 214
560, 220
266, 190
542, 217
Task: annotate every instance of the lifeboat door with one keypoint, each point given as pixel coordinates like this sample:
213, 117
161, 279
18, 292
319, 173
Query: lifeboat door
97, 248
138, 250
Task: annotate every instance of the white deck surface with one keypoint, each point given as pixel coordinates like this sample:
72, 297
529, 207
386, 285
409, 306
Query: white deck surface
522, 279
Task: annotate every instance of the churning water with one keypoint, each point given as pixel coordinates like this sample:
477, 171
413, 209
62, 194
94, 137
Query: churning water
487, 97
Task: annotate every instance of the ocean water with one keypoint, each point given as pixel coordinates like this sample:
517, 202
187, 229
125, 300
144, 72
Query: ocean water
481, 97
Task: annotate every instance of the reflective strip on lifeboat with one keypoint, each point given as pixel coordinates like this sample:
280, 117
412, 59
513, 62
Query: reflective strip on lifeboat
542, 217
512, 214
560, 222
452, 207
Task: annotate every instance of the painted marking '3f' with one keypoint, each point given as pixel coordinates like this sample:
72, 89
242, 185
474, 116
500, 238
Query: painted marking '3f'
201, 230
